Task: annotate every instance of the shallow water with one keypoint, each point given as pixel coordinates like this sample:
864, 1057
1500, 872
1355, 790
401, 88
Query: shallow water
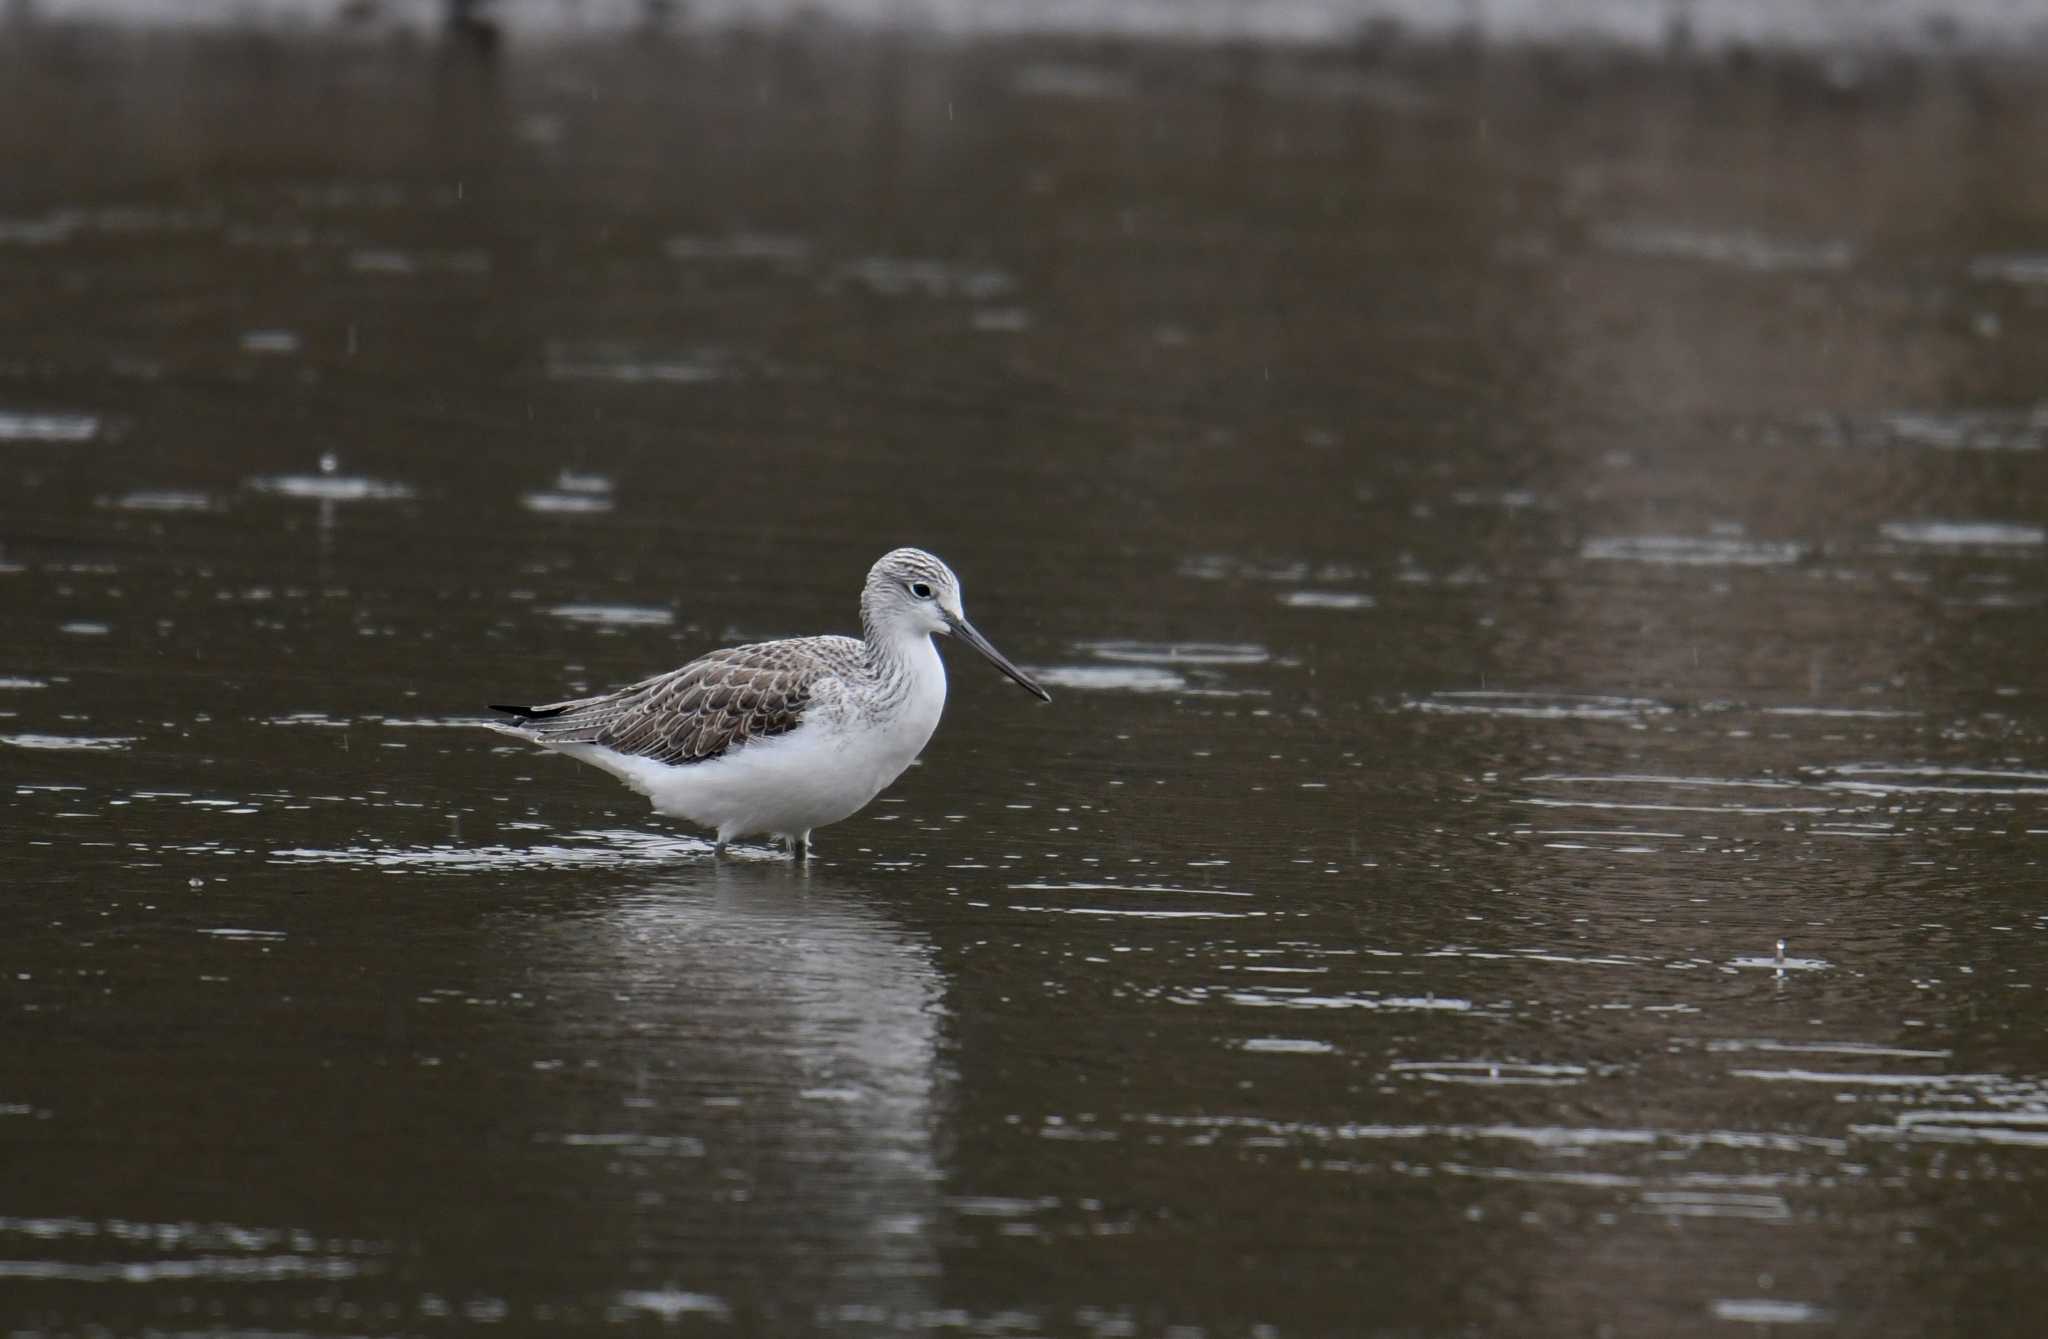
1540, 561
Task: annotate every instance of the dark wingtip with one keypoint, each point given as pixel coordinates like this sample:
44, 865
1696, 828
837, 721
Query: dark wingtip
528, 713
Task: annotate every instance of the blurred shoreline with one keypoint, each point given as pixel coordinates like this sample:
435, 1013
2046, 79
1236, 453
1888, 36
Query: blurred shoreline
1929, 28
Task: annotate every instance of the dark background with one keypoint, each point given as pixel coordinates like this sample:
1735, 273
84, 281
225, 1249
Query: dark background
1514, 535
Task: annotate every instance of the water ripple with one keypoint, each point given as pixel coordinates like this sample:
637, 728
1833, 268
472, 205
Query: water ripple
1769, 1311
1738, 250
1964, 535
17, 426
614, 615
1965, 430
1539, 706
1178, 653
895, 277
612, 362
1490, 1073
590, 849
161, 499
331, 487
776, 248
1110, 678
1691, 551
2023, 267
1539, 1136
212, 1268
1326, 599
82, 743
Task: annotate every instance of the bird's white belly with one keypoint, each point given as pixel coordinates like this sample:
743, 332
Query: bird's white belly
825, 770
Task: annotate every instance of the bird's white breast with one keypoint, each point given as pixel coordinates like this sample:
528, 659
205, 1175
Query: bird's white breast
850, 744
879, 737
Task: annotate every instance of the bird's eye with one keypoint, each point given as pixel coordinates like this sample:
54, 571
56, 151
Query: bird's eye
920, 590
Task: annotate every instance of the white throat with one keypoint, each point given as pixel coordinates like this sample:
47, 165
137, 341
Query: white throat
915, 655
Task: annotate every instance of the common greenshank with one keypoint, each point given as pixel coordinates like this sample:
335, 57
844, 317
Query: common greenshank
787, 736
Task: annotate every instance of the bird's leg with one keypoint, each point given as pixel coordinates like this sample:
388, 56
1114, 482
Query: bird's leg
718, 850
800, 846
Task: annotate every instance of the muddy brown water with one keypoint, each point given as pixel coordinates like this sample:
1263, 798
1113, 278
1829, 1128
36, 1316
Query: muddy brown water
1540, 563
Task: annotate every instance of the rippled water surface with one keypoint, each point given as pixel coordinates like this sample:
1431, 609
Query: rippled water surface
1540, 561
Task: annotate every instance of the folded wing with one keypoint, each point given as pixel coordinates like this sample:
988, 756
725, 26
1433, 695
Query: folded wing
707, 708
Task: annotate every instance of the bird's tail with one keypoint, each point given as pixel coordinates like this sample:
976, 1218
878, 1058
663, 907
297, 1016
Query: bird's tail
576, 721
532, 713
526, 723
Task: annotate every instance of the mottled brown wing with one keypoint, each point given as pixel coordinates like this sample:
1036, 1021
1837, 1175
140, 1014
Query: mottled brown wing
709, 706
706, 708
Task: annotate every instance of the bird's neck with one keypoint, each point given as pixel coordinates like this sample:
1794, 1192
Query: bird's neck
904, 659
872, 626
888, 639
898, 650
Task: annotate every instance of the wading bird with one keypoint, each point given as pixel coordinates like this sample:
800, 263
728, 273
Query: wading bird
781, 737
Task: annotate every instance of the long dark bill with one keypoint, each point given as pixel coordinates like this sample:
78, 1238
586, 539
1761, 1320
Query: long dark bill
966, 633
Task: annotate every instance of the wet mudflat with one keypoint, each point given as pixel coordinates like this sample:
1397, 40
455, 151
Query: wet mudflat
1540, 561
